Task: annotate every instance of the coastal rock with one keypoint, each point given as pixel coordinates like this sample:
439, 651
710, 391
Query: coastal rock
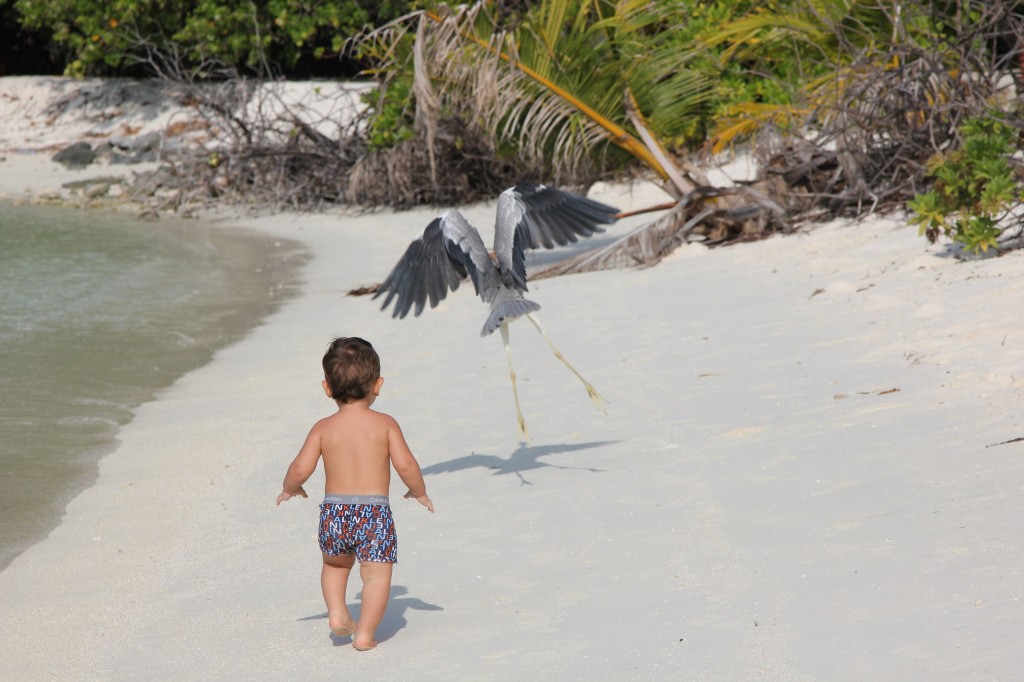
130, 150
149, 142
109, 153
77, 155
141, 143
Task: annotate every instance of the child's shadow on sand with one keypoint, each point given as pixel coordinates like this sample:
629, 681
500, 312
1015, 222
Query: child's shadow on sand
394, 618
522, 459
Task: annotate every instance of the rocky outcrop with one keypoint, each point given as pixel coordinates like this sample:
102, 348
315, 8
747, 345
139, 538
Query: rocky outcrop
77, 155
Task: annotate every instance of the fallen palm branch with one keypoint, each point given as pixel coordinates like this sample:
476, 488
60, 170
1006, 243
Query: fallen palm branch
717, 214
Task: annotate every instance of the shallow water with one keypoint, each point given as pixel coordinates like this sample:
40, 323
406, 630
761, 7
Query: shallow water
98, 312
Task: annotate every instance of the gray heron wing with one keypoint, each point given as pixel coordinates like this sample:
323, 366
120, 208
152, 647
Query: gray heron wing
436, 262
530, 216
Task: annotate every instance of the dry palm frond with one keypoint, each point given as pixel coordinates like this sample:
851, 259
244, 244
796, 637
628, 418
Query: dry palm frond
717, 214
428, 105
555, 87
513, 106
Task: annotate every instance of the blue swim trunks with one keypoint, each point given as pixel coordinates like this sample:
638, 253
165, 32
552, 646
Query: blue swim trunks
360, 525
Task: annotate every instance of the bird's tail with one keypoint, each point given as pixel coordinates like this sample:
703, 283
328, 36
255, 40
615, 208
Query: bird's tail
506, 311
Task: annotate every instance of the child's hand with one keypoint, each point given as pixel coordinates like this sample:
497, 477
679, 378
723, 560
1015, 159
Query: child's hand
422, 499
285, 495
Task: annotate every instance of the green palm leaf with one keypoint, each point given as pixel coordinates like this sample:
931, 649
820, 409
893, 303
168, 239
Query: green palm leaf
556, 87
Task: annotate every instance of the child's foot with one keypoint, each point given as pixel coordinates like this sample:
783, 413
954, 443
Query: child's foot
342, 629
363, 646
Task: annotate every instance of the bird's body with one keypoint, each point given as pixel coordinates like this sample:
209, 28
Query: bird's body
450, 249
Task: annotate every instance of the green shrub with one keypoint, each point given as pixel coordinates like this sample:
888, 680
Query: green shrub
393, 113
104, 36
974, 187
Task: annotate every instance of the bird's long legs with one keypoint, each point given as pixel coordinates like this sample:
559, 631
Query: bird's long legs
515, 393
599, 401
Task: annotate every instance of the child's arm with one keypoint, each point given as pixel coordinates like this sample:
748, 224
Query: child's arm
302, 467
406, 465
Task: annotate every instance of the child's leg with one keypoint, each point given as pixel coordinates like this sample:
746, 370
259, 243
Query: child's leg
333, 582
376, 577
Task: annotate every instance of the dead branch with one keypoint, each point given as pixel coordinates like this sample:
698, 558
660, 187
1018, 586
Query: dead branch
867, 143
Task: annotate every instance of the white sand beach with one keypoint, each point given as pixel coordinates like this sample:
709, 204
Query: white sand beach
799, 477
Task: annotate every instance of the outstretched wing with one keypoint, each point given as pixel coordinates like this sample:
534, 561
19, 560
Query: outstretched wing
530, 216
449, 250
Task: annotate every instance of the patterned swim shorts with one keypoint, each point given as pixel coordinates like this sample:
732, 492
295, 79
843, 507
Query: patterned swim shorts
360, 525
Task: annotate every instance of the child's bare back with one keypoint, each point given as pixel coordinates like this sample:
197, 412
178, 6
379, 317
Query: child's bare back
358, 446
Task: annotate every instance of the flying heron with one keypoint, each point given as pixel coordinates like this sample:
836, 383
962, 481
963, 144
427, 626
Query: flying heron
450, 249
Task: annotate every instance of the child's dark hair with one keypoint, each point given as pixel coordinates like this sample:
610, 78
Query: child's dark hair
351, 366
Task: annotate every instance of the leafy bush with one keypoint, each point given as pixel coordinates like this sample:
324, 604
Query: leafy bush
974, 187
106, 36
392, 120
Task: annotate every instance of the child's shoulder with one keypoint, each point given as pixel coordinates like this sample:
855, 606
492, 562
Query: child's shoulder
384, 417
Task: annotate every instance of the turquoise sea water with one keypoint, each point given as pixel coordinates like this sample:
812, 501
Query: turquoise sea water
98, 312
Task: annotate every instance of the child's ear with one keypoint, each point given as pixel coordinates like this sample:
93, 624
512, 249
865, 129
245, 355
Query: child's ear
327, 388
377, 384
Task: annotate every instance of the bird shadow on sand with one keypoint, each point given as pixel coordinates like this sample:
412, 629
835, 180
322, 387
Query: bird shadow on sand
522, 459
394, 617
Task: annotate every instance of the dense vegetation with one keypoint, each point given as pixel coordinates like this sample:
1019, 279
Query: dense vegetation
850, 105
88, 37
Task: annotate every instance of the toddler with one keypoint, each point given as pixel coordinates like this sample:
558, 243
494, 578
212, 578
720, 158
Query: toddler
358, 446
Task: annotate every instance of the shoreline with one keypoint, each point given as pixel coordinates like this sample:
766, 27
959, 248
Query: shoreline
794, 480
246, 272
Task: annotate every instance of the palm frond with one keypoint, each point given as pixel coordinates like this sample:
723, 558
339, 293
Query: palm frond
555, 87
764, 27
744, 119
